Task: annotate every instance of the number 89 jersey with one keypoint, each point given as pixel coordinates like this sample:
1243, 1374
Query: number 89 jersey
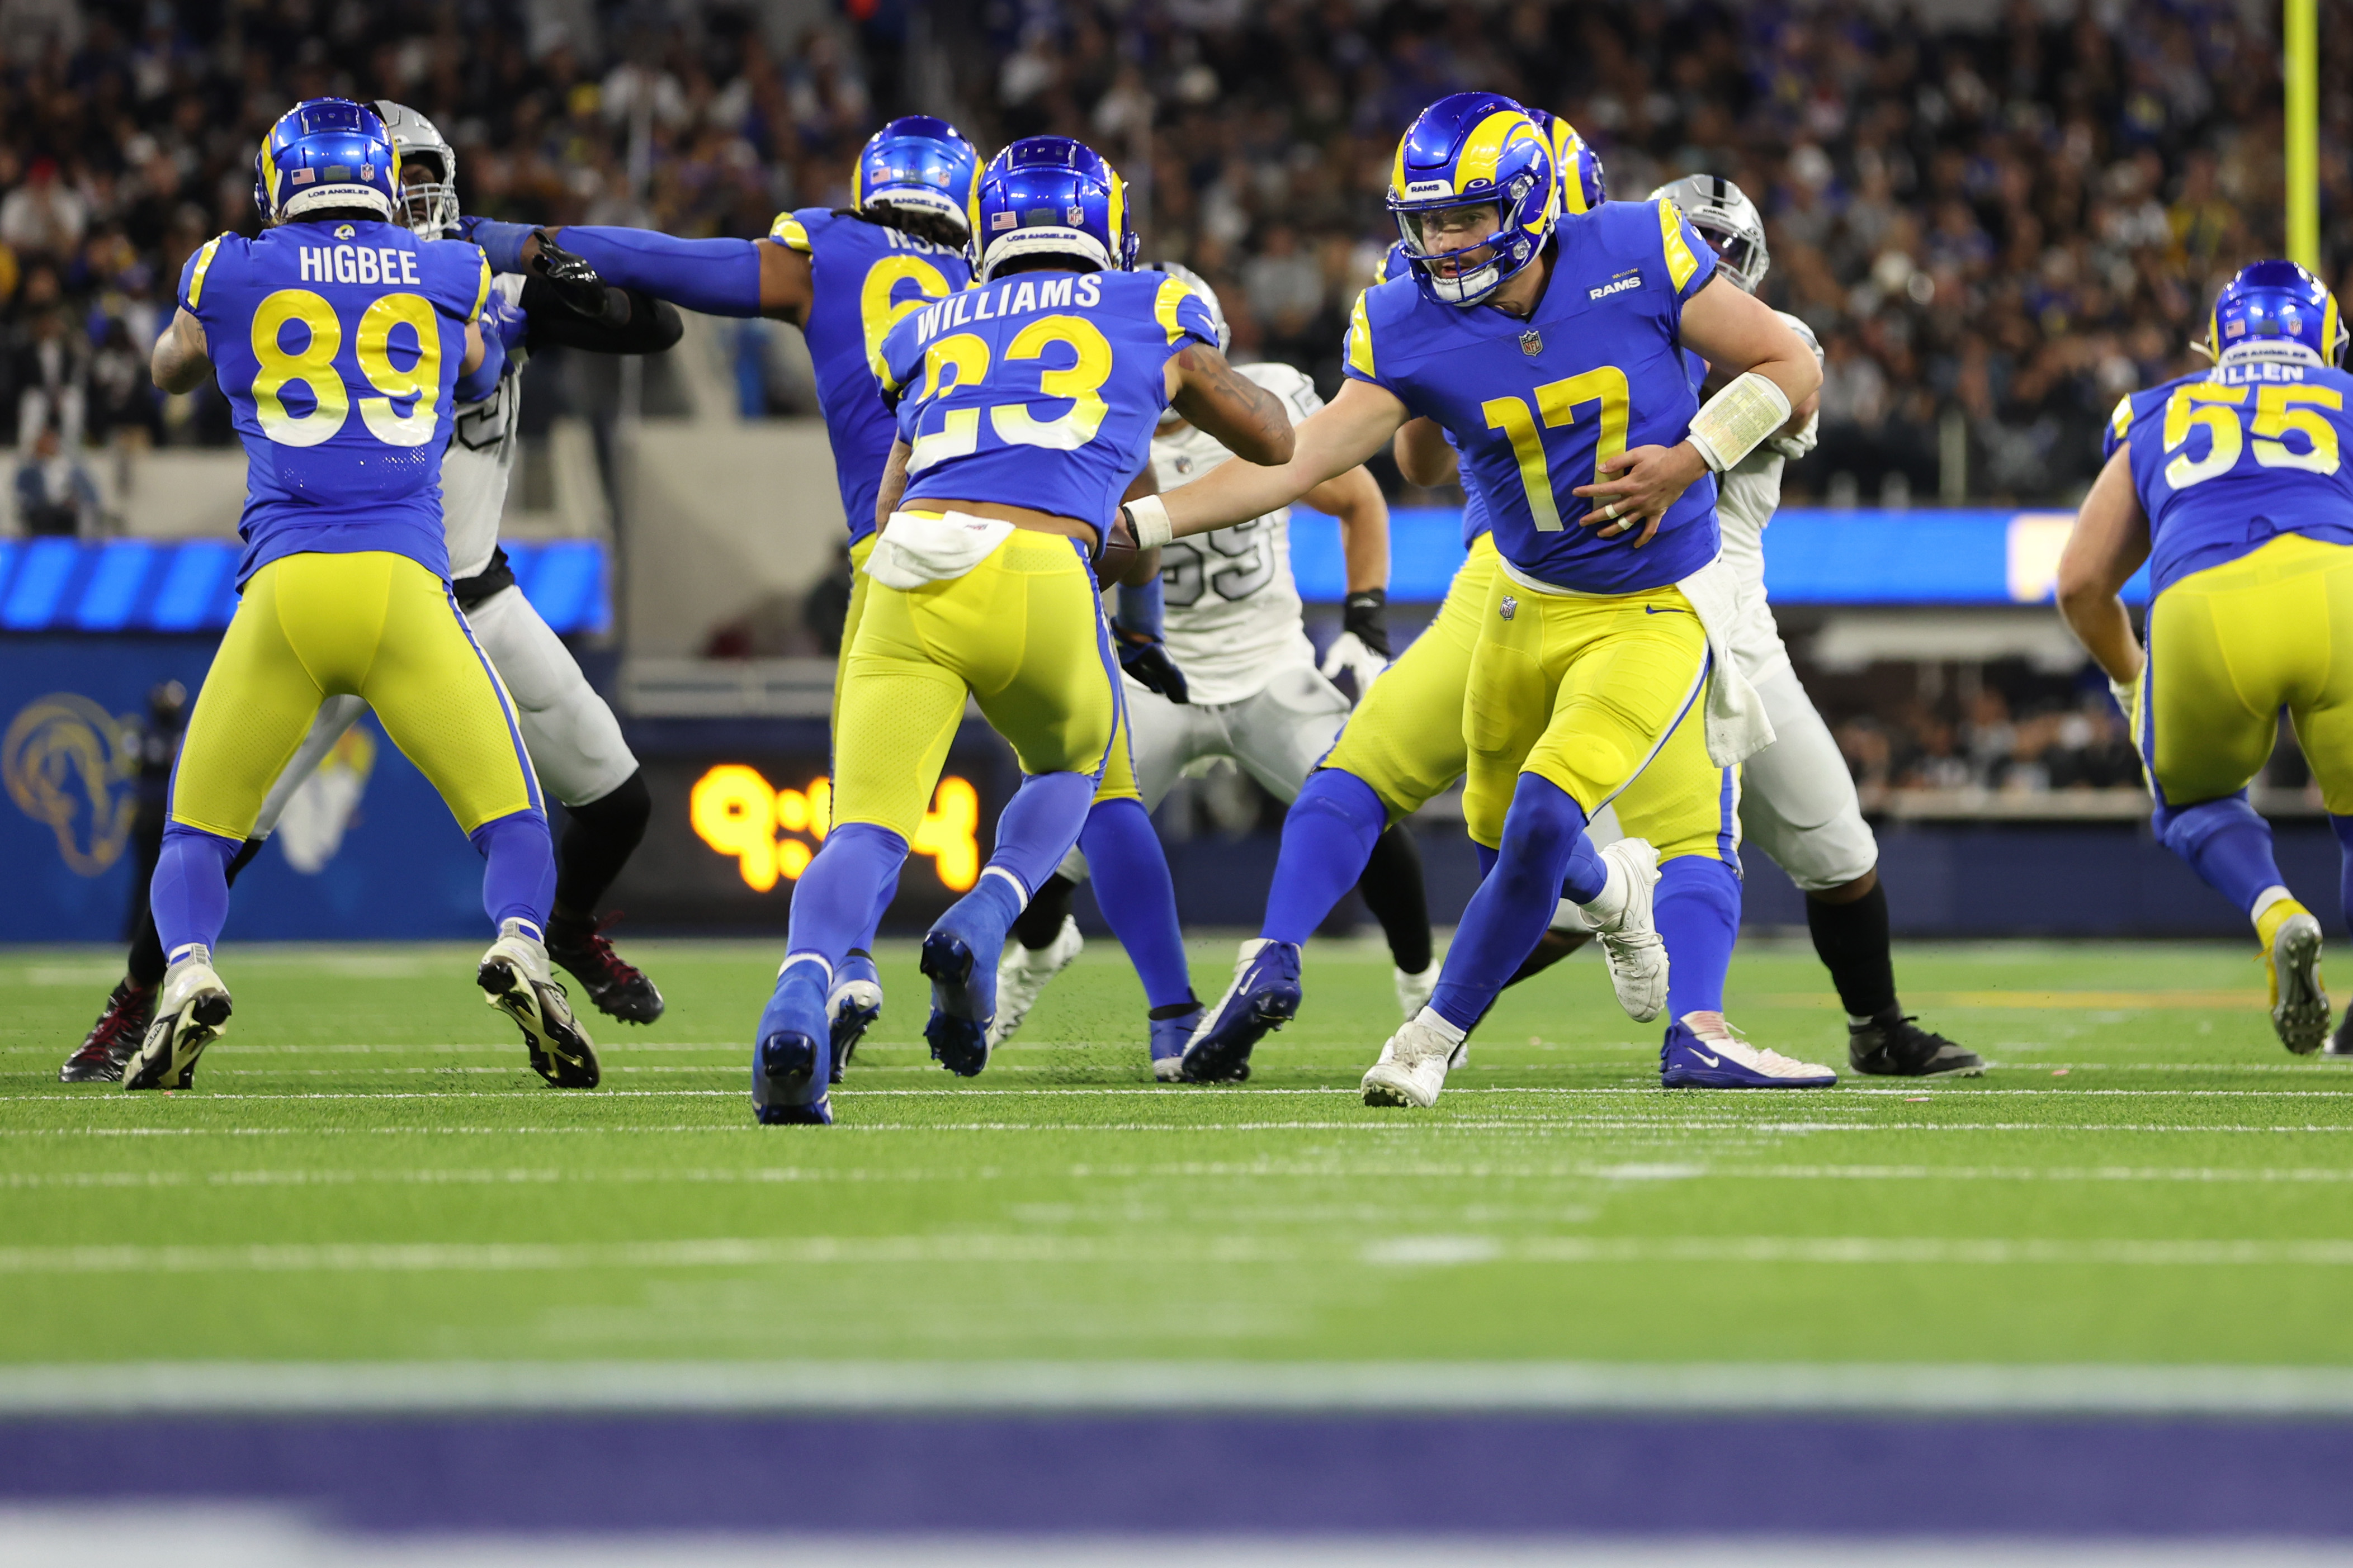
2226, 461
1233, 613
1039, 389
337, 344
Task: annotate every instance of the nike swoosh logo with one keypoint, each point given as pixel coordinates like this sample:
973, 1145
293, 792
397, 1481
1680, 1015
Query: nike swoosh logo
1655, 610
1712, 1061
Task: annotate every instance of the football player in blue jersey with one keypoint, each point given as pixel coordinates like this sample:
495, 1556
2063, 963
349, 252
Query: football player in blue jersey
1024, 406
1551, 354
844, 278
339, 338
2230, 485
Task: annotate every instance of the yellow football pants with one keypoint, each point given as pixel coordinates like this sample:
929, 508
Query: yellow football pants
1021, 633
1406, 739
370, 625
2231, 646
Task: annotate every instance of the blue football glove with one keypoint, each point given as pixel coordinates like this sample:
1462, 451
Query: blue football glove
1137, 632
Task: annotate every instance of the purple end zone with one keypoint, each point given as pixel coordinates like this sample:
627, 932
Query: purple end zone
1210, 1474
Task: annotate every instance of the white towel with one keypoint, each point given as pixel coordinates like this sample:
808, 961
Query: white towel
1738, 727
915, 550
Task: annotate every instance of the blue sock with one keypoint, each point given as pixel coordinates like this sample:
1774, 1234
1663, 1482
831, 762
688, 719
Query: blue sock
834, 903
1038, 825
1587, 872
518, 867
1328, 836
883, 896
189, 892
1508, 914
1138, 900
1698, 911
716, 277
2344, 827
2226, 843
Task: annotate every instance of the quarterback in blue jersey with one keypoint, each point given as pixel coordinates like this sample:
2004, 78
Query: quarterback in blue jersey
1551, 354
2231, 486
1025, 405
844, 278
339, 338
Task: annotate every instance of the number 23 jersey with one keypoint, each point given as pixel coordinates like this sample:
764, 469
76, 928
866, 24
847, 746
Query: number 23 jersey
1535, 405
1233, 607
337, 344
2227, 460
1039, 390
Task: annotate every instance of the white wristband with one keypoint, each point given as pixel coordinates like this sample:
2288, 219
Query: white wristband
1737, 420
1148, 515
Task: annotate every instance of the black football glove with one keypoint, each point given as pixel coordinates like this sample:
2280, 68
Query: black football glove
1146, 659
576, 283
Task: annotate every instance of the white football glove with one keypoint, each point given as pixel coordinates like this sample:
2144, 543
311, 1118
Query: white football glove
1362, 648
1349, 654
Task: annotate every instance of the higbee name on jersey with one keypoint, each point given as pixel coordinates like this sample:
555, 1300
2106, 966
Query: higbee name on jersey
1233, 610
2228, 461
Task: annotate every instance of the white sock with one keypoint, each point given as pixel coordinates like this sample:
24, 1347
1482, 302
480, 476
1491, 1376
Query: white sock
1608, 907
1429, 1018
2264, 901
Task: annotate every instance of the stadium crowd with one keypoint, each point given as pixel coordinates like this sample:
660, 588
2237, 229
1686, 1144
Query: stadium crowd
1994, 232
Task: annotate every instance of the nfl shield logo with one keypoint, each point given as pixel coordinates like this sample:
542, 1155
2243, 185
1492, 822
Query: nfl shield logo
1532, 342
1510, 607
1076, 216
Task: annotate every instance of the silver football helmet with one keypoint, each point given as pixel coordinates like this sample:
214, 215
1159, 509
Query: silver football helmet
1200, 285
1723, 212
429, 205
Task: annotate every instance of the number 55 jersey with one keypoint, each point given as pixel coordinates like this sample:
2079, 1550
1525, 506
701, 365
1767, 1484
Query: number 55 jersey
337, 346
2227, 461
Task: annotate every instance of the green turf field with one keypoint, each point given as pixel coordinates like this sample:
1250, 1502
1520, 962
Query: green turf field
366, 1169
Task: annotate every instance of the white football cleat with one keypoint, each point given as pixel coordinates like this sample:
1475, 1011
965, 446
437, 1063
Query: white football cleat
1022, 974
2299, 1000
1702, 1051
1412, 1069
515, 979
1630, 935
1413, 990
191, 1010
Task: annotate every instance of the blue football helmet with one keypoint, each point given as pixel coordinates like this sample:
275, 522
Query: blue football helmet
1584, 184
1053, 195
326, 152
1473, 148
2277, 310
920, 164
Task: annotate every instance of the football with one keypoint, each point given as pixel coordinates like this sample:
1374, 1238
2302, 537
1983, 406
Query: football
1117, 558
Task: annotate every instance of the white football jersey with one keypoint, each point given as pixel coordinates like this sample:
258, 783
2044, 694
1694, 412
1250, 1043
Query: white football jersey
1233, 610
479, 462
1747, 497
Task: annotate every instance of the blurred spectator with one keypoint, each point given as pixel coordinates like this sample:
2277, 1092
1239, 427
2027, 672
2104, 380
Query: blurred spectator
55, 493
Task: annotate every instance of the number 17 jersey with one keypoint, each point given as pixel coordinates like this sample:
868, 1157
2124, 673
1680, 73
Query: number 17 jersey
337, 344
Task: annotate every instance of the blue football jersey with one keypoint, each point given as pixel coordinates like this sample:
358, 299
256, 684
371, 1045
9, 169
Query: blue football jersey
337, 346
1040, 389
864, 276
1535, 405
2229, 459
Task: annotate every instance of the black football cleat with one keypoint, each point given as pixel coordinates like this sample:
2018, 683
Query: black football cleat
113, 1038
618, 988
1900, 1048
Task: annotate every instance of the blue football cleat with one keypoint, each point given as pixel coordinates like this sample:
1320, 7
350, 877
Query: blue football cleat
852, 1005
960, 954
1702, 1051
790, 1057
1263, 997
1169, 1038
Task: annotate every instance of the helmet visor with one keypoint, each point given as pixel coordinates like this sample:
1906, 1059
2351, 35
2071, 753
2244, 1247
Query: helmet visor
1452, 240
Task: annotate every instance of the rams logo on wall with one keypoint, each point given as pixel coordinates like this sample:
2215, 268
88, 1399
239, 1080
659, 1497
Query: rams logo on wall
66, 763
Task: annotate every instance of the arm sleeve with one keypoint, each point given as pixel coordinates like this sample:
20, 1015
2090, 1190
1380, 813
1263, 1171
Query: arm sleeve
716, 277
653, 325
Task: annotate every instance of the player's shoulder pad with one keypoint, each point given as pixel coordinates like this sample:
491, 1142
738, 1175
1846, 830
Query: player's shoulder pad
2134, 408
1287, 382
1181, 314
457, 275
1381, 327
1805, 333
797, 230
223, 251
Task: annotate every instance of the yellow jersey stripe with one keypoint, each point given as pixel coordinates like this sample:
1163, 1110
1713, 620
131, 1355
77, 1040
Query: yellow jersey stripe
204, 265
1681, 263
481, 293
1360, 340
1166, 304
789, 232
2121, 420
